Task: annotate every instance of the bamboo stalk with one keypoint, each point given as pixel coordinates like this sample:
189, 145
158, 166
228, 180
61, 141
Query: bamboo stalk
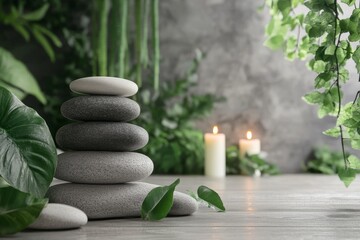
102, 36
156, 42
144, 44
123, 39
114, 36
138, 41
94, 31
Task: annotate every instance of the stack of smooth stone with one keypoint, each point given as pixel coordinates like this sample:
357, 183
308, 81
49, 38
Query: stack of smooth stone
99, 161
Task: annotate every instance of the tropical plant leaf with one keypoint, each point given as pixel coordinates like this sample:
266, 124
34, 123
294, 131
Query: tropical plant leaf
56, 41
44, 43
27, 152
16, 77
37, 14
21, 30
158, 202
18, 210
211, 198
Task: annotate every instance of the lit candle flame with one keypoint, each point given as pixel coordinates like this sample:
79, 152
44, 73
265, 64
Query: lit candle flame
215, 129
249, 135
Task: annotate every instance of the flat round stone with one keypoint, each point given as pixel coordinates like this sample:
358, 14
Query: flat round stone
104, 86
114, 201
103, 167
56, 216
101, 136
100, 108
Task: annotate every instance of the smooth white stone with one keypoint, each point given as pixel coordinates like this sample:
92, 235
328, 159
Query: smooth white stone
116, 200
104, 86
56, 216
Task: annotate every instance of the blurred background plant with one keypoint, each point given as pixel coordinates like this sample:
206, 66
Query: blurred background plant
120, 38
14, 75
325, 161
248, 165
176, 146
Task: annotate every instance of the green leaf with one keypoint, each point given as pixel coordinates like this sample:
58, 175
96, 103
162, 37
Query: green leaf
319, 66
332, 132
274, 42
37, 14
348, 2
344, 25
211, 198
355, 144
18, 210
158, 202
21, 29
316, 31
49, 34
345, 114
347, 176
355, 111
356, 58
284, 6
16, 77
44, 43
27, 154
330, 50
350, 123
313, 97
340, 54
354, 162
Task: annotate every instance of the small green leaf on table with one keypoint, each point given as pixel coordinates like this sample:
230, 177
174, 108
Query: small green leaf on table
18, 210
347, 176
211, 198
158, 202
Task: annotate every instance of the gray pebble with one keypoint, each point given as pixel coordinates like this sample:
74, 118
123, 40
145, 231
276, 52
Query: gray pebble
114, 201
103, 167
101, 136
100, 108
56, 216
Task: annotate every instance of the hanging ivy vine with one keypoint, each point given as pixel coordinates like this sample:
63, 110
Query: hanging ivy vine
323, 33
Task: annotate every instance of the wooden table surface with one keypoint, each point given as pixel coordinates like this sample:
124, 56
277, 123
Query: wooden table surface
281, 207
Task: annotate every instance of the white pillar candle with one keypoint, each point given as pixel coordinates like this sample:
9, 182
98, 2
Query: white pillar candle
215, 154
249, 146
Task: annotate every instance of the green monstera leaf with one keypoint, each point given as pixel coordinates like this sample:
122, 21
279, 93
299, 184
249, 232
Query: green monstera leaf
18, 210
15, 77
27, 152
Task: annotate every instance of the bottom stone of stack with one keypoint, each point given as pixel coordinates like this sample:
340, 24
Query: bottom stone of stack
114, 201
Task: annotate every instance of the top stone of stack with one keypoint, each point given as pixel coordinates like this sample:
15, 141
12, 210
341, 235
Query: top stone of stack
98, 85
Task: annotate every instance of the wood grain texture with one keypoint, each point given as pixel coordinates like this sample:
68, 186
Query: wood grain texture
282, 207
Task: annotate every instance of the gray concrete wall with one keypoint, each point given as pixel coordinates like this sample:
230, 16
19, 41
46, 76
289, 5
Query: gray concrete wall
263, 90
